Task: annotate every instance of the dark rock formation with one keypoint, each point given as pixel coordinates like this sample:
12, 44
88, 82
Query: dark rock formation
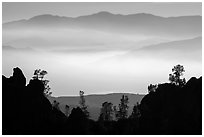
169, 109
25, 108
173, 110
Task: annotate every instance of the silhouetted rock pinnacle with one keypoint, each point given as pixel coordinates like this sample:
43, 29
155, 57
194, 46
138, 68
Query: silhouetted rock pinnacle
18, 79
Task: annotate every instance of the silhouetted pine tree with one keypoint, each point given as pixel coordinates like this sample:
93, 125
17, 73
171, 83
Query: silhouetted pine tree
136, 111
82, 103
123, 108
106, 113
175, 78
39, 75
152, 88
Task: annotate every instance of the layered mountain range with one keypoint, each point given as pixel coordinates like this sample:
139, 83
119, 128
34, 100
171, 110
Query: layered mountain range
103, 30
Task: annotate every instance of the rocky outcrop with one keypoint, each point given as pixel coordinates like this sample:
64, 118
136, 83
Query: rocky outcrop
172, 109
25, 108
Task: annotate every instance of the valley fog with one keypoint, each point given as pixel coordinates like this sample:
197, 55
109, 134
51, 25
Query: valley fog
98, 72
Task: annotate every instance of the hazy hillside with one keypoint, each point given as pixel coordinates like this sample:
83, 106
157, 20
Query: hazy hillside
185, 45
188, 49
94, 102
181, 50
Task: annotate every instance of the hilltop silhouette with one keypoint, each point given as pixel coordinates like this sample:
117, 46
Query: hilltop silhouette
173, 110
169, 109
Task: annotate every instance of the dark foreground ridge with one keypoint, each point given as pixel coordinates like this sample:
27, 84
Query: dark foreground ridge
170, 109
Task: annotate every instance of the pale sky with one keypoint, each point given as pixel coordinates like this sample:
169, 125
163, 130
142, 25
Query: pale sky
25, 10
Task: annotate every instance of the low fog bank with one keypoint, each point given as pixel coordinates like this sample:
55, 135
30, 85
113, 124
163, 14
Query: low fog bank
98, 72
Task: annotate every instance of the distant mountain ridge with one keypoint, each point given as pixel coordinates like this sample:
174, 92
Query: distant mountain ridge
182, 45
94, 102
98, 99
99, 14
141, 22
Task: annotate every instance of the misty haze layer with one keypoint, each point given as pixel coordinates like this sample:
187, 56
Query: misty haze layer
103, 52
